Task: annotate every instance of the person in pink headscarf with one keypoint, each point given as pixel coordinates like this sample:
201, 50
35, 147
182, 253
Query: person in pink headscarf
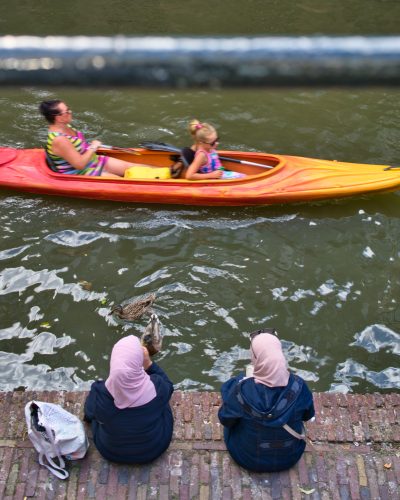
130, 414
263, 414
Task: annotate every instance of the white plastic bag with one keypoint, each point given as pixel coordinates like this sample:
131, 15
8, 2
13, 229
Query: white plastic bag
55, 433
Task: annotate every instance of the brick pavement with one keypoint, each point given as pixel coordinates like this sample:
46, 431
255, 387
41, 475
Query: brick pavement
355, 454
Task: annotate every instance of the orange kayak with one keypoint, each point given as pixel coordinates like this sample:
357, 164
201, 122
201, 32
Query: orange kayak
278, 179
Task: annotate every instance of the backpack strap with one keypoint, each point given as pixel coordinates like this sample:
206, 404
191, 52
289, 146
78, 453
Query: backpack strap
294, 433
285, 400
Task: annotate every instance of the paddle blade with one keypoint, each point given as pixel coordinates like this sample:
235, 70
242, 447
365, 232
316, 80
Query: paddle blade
159, 146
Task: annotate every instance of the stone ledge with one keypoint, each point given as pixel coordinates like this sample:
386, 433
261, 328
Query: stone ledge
355, 454
339, 418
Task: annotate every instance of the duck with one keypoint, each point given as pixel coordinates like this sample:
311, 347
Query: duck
134, 310
151, 337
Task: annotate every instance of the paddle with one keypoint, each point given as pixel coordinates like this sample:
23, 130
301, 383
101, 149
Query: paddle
162, 146
122, 150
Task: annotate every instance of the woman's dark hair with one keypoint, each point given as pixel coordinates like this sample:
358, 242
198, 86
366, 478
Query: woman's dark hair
49, 109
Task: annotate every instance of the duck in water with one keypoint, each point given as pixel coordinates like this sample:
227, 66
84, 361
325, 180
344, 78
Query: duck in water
134, 310
152, 338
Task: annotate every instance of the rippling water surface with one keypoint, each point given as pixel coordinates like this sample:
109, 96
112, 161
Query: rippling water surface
325, 275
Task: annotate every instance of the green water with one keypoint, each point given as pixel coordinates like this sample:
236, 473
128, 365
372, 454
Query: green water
325, 275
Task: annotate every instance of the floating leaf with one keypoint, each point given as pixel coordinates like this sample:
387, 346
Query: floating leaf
387, 466
307, 492
45, 324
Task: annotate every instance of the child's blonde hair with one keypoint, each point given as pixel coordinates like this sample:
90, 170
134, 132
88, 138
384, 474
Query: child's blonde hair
201, 131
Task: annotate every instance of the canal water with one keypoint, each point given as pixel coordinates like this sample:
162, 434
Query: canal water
325, 275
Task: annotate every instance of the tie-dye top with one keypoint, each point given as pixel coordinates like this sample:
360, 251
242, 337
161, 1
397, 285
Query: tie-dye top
213, 162
94, 166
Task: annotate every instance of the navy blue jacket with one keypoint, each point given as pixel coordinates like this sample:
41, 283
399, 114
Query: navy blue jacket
253, 415
132, 435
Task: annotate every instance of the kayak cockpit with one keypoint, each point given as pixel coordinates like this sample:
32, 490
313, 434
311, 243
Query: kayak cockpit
250, 164
153, 166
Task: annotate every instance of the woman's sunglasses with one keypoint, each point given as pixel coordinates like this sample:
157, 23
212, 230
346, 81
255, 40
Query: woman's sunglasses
67, 112
271, 331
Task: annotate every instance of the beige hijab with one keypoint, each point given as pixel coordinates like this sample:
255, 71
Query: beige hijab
270, 365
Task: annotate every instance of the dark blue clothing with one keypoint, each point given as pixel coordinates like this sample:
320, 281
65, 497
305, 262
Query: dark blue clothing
132, 435
253, 415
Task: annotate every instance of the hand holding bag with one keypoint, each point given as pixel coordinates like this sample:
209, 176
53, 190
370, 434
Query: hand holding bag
55, 433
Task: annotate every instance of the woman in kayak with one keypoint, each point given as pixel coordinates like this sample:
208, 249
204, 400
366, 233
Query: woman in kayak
263, 414
206, 163
67, 150
129, 413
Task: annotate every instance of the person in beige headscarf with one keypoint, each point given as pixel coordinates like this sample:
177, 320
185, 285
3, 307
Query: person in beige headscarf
263, 414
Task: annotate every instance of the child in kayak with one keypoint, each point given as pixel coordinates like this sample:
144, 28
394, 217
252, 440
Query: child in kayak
206, 163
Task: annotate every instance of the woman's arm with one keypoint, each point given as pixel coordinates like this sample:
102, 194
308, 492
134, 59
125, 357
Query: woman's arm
192, 171
90, 404
62, 147
309, 410
230, 412
162, 383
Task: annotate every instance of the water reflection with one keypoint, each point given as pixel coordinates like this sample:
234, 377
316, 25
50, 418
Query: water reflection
217, 274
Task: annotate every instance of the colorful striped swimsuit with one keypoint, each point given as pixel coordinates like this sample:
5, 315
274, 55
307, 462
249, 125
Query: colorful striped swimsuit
94, 166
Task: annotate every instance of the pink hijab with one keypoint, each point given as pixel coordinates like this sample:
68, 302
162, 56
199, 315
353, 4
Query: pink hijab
128, 383
270, 366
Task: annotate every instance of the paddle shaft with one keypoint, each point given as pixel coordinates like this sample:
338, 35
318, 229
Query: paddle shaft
122, 150
154, 146
244, 162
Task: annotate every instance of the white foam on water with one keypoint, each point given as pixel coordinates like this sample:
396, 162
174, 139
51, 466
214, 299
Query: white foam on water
16, 330
223, 313
18, 280
160, 274
10, 253
327, 287
181, 347
318, 305
278, 293
388, 378
301, 294
367, 252
376, 337
189, 384
306, 375
83, 355
225, 364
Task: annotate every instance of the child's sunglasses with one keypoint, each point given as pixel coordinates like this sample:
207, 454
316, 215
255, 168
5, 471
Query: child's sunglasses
213, 143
